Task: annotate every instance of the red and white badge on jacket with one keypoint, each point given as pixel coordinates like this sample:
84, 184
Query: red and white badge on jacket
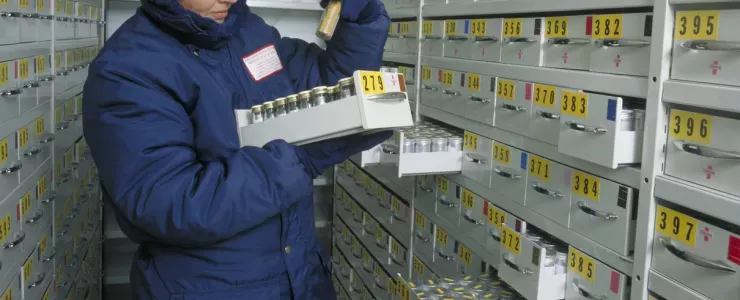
263, 62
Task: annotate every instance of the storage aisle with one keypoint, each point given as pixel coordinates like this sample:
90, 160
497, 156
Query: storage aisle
565, 149
50, 210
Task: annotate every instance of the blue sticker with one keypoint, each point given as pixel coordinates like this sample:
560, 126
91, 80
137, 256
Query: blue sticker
467, 25
611, 110
523, 162
456, 246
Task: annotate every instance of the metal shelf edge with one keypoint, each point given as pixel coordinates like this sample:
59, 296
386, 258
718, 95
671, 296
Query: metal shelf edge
510, 7
706, 95
627, 176
400, 58
714, 203
22, 50
669, 289
619, 85
61, 45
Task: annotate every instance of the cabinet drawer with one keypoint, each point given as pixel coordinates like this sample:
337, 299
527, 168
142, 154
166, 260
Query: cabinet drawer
44, 77
487, 37
452, 88
513, 104
10, 89
398, 254
698, 251
457, 43
621, 43
705, 46
46, 250
33, 277
478, 158
12, 238
588, 276
509, 176
9, 32
544, 119
448, 201
32, 217
496, 216
12, 288
548, 189
703, 148
420, 271
480, 98
423, 235
26, 78
472, 218
523, 41
434, 35
444, 247
600, 129
568, 43
468, 262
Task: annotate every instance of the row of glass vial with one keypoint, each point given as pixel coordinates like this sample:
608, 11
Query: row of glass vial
556, 253
465, 287
430, 138
303, 100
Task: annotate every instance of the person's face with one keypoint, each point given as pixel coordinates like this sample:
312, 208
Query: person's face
216, 10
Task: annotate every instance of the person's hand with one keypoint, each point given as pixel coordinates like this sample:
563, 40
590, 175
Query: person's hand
358, 11
319, 156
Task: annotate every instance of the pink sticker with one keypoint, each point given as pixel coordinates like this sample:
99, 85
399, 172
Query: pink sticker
614, 286
733, 252
568, 173
528, 92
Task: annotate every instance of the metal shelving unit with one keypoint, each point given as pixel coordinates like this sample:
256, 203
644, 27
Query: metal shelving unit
527, 6
713, 96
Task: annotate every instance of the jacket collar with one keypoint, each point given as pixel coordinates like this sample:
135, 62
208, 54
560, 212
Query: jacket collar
191, 28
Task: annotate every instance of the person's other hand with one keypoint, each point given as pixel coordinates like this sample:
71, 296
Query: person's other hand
319, 156
358, 11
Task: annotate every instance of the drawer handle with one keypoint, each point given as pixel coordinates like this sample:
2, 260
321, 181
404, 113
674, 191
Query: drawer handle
429, 87
49, 257
73, 166
432, 37
64, 231
456, 38
368, 229
505, 174
489, 39
62, 125
72, 214
389, 149
19, 237
479, 99
586, 294
36, 216
31, 85
494, 235
64, 178
12, 92
711, 45
474, 159
447, 203
386, 97
396, 260
542, 190
422, 238
73, 263
39, 279
693, 258
585, 128
597, 213
568, 41
30, 16
47, 79
451, 93
471, 220
33, 152
63, 73
62, 284
46, 139
517, 108
519, 40
705, 151
445, 256
424, 188
547, 115
379, 283
12, 169
621, 43
46, 17
398, 217
513, 266
383, 204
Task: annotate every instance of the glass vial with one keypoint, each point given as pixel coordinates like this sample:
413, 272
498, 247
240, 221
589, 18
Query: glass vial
318, 96
292, 103
346, 87
304, 100
267, 110
257, 114
332, 93
280, 107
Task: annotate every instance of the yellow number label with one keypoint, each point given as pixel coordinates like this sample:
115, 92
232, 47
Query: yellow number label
676, 225
442, 184
450, 27
355, 245
78, 56
42, 244
556, 27
496, 217
539, 167
395, 247
8, 295
58, 57
40, 4
427, 27
506, 89
25, 204
405, 27
46, 295
355, 208
468, 199
473, 82
511, 240
465, 254
470, 141
366, 257
58, 114
372, 83
586, 185
697, 25
41, 186
575, 104
40, 60
448, 77
27, 269
420, 220
23, 4
545, 95
23, 137
512, 27
418, 266
70, 58
691, 126
607, 26
403, 70
39, 126
79, 103
69, 108
502, 153
581, 264
69, 157
67, 206
381, 192
404, 291
396, 204
4, 73
379, 234
3, 151
23, 68
441, 236
5, 228
478, 27
426, 73
368, 183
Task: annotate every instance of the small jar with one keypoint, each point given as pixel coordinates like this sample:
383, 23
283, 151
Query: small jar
304, 100
280, 107
455, 144
332, 93
346, 87
409, 145
267, 110
439, 144
423, 145
318, 96
291, 104
257, 114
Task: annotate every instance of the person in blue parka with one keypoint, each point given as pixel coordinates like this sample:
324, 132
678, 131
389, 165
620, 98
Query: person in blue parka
215, 220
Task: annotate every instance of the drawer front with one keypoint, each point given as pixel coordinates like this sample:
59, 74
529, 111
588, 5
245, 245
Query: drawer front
548, 189
357, 212
480, 93
424, 235
592, 128
382, 280
472, 220
513, 104
453, 86
9, 163
432, 47
444, 246
568, 43
367, 261
12, 238
448, 202
9, 29
468, 262
26, 77
496, 217
46, 250
457, 44
420, 271
10, 89
509, 176
703, 153
544, 123
398, 253
477, 161
34, 278
40, 138
603, 211
44, 72
624, 48
433, 29
381, 239
517, 267
30, 155
588, 276
12, 289
701, 256
32, 218
486, 39
704, 56
401, 216
523, 41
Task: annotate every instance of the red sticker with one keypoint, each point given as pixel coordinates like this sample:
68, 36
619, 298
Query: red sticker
733, 251
485, 208
614, 285
439, 76
518, 226
589, 19
402, 82
528, 92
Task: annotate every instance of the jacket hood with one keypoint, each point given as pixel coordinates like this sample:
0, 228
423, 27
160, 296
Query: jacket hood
191, 28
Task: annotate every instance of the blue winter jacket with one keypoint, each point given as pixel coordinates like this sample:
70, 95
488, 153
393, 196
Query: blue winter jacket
213, 220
